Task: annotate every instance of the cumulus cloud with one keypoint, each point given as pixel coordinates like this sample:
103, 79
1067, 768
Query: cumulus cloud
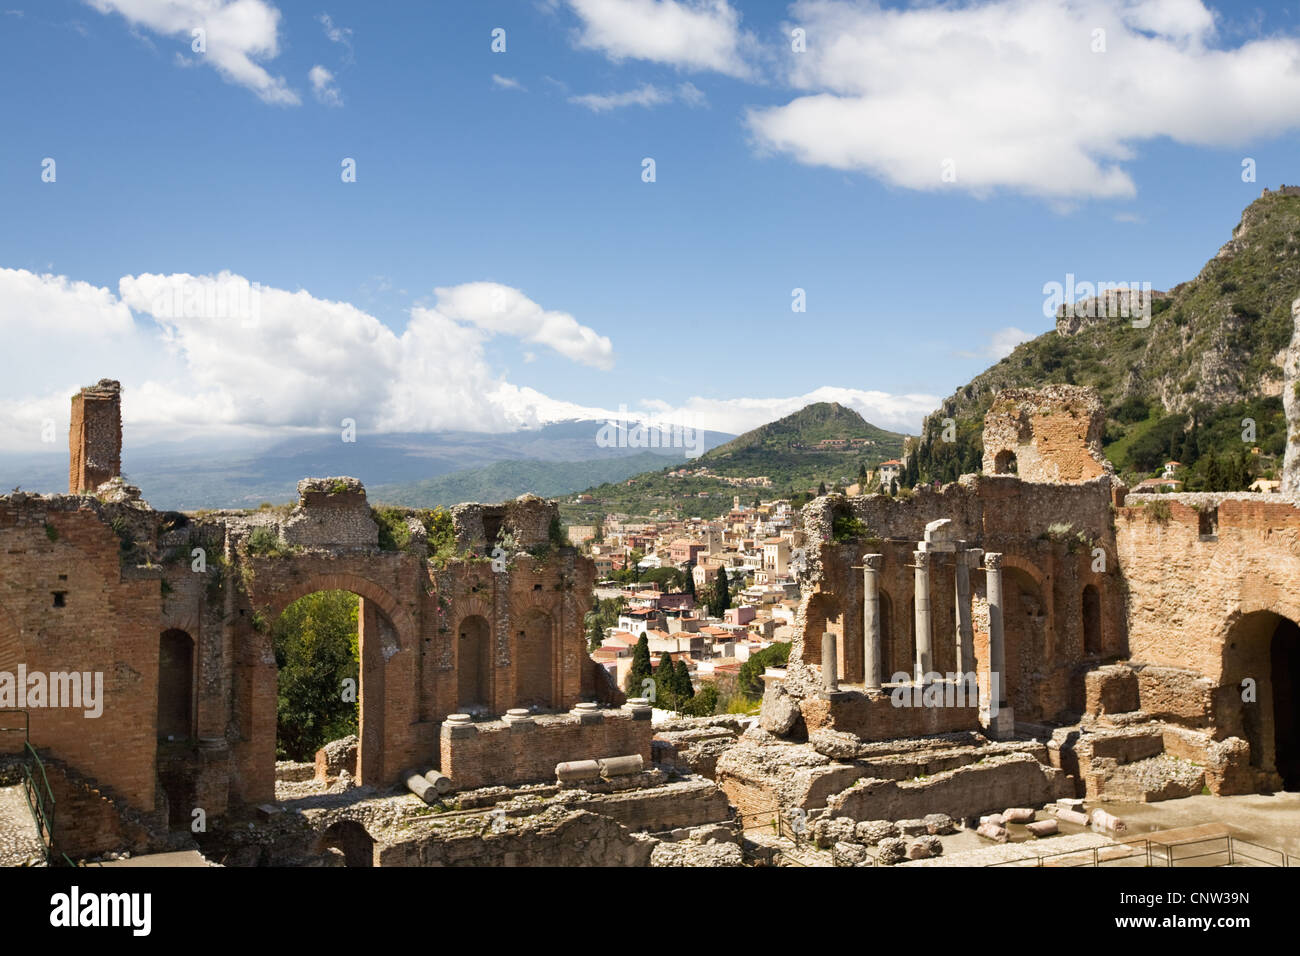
499, 309
688, 34
1049, 98
323, 88
237, 34
208, 353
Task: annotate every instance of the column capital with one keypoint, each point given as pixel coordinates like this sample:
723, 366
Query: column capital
993, 560
922, 559
873, 562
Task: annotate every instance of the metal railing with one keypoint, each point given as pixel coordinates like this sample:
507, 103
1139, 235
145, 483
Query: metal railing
1230, 851
36, 784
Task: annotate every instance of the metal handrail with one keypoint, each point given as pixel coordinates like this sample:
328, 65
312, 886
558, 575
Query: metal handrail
36, 784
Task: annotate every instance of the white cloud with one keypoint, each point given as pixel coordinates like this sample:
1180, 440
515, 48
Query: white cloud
237, 34
1002, 342
499, 309
507, 83
645, 95
336, 34
736, 415
688, 34
691, 95
293, 361
323, 88
1012, 92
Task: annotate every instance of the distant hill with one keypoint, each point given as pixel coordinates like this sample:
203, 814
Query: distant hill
786, 451
194, 474
510, 479
1180, 387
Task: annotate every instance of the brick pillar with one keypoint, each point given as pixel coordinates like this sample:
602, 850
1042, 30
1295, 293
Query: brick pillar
95, 436
965, 630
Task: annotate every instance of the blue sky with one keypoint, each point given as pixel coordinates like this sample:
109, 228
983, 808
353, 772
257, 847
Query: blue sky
518, 174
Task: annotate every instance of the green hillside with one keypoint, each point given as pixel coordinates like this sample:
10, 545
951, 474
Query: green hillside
1179, 388
509, 479
782, 451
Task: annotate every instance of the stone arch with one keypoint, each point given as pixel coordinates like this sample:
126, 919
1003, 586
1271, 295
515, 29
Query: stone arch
1025, 622
1004, 462
473, 638
403, 623
385, 628
176, 684
350, 838
1263, 647
824, 614
534, 659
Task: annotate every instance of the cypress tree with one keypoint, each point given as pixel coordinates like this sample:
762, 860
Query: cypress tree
682, 684
640, 668
721, 593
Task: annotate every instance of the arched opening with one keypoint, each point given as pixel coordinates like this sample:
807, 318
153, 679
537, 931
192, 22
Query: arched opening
352, 840
824, 615
474, 664
316, 641
1004, 463
1024, 623
1262, 653
1091, 620
534, 661
175, 685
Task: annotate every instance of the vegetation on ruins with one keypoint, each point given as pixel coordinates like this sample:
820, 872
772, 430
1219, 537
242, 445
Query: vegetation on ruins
846, 528
316, 651
1163, 403
751, 672
265, 542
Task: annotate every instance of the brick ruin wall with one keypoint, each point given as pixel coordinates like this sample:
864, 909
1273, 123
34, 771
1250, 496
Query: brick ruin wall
1053, 434
1047, 534
95, 436
499, 754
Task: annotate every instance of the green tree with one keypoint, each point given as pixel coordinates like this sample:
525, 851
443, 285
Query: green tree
751, 672
821, 489
682, 681
689, 584
721, 593
316, 652
640, 669
666, 683
704, 703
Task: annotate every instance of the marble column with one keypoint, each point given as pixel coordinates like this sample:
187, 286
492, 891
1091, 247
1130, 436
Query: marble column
996, 637
871, 645
965, 631
921, 601
830, 663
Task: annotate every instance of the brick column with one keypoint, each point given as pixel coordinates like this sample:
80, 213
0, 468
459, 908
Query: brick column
871, 564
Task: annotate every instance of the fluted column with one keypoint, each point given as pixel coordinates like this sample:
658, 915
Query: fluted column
871, 565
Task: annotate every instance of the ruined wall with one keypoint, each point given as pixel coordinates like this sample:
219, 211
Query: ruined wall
95, 436
1053, 434
496, 753
1057, 540
68, 604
